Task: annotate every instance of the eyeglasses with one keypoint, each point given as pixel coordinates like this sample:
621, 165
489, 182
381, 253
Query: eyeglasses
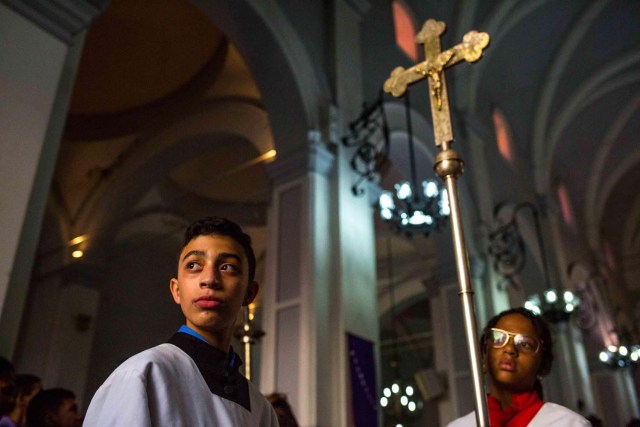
524, 343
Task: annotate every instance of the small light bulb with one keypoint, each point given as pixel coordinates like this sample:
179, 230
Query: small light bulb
403, 190
77, 254
568, 296
550, 296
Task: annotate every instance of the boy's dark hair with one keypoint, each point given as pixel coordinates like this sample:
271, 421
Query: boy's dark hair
215, 225
44, 403
282, 409
25, 383
7, 386
543, 332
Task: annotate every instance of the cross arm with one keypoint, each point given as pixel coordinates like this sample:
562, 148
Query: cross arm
470, 50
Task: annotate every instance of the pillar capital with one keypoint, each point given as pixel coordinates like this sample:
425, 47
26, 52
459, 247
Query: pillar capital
313, 157
62, 19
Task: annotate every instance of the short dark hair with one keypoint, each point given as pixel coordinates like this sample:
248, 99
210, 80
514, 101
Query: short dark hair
7, 386
283, 410
44, 403
541, 327
215, 225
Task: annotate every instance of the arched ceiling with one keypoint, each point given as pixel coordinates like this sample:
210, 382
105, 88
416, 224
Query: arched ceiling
162, 100
566, 77
135, 54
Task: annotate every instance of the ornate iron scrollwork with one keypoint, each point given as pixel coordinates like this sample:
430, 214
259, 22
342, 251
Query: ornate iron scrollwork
507, 248
370, 134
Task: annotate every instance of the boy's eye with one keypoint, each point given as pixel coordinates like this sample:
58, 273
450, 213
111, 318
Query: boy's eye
191, 265
229, 267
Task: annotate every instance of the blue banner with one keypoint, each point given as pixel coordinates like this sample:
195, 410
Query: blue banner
364, 402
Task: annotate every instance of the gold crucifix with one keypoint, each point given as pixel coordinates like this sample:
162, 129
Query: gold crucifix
448, 166
470, 50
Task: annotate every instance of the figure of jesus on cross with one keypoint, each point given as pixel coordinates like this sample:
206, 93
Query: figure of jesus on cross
449, 166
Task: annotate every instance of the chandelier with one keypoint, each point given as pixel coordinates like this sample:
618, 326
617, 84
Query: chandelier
618, 357
552, 307
418, 207
412, 211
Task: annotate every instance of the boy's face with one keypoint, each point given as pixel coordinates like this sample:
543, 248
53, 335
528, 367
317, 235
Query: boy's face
67, 415
212, 286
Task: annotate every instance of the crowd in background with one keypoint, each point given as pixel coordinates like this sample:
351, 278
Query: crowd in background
24, 402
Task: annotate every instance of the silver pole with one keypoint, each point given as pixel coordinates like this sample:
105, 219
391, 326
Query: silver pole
449, 166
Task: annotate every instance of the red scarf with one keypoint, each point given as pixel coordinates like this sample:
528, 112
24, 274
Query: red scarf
524, 406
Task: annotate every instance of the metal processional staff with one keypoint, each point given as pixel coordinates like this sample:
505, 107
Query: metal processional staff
449, 166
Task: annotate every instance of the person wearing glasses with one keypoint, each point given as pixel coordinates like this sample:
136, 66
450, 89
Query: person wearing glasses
517, 352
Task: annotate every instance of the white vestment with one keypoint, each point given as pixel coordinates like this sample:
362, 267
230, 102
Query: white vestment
181, 383
549, 415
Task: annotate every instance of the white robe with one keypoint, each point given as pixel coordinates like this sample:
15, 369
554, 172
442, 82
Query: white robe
550, 415
163, 386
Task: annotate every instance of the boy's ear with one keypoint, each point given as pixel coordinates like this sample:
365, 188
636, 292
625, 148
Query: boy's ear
174, 287
252, 291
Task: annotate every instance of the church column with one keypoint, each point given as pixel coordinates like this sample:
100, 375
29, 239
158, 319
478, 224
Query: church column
564, 365
60, 352
356, 255
319, 286
570, 355
617, 401
300, 285
41, 46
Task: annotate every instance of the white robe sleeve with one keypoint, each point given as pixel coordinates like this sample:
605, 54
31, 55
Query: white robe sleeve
121, 401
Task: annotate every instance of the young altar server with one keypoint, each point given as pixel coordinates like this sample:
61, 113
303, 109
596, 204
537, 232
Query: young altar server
193, 379
517, 352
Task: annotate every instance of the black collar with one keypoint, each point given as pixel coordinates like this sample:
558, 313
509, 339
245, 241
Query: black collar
219, 369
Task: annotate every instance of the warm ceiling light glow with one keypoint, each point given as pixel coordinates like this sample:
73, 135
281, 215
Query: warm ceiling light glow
267, 157
271, 154
503, 136
565, 204
77, 254
78, 240
405, 30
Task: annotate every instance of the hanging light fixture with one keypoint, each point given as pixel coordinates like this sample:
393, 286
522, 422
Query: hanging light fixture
618, 357
621, 353
400, 401
553, 307
416, 207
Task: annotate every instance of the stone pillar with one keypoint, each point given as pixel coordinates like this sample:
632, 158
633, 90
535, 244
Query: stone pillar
615, 395
300, 285
320, 286
564, 366
582, 379
40, 45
